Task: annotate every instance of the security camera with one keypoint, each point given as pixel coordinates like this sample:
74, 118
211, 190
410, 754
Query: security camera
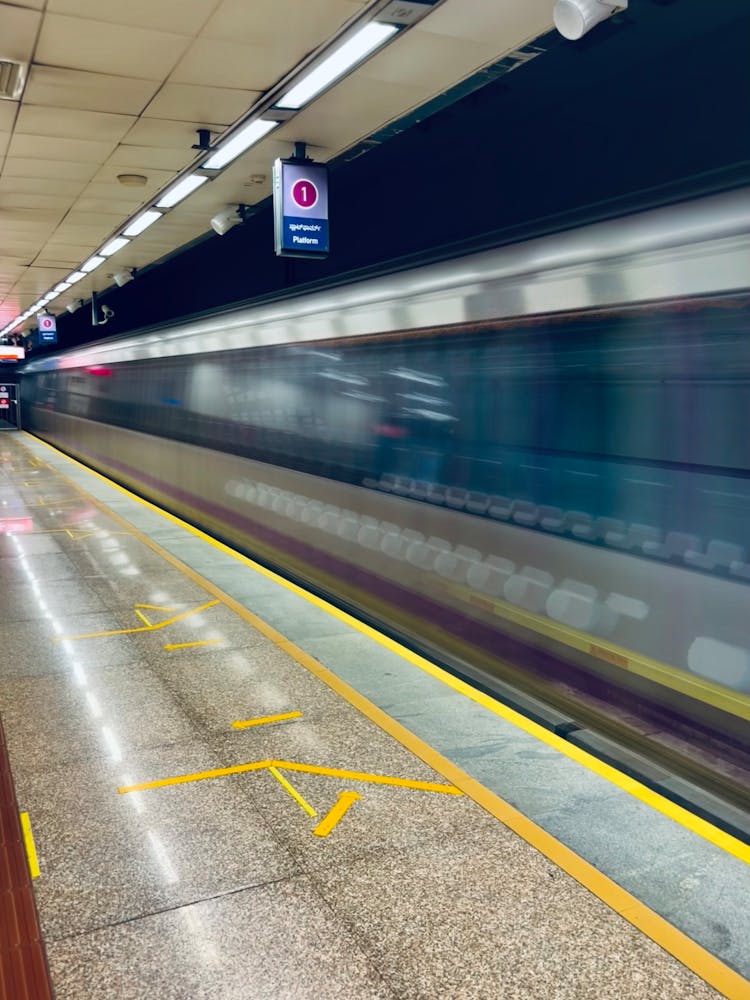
74, 305
107, 313
573, 18
123, 277
232, 216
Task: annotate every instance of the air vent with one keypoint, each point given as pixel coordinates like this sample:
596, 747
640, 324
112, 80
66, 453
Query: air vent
12, 77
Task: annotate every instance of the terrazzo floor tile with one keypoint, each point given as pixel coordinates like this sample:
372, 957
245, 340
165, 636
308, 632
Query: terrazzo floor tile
107, 857
27, 602
68, 717
271, 943
453, 920
34, 648
215, 688
28, 545
51, 568
215, 624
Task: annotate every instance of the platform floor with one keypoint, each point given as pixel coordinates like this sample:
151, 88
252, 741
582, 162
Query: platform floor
235, 791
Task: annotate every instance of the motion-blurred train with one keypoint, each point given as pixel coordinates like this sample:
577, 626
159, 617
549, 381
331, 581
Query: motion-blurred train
532, 462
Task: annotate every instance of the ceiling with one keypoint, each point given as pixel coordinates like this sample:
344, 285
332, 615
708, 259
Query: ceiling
121, 88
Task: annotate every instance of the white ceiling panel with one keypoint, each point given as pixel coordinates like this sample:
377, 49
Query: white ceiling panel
506, 25
53, 86
185, 16
8, 111
98, 47
52, 148
185, 102
45, 202
167, 134
123, 208
72, 124
71, 254
122, 87
227, 64
18, 30
41, 185
145, 157
425, 59
270, 20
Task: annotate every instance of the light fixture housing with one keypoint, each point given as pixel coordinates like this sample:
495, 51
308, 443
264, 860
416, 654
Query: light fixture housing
92, 263
141, 222
344, 58
574, 18
240, 141
74, 306
172, 196
113, 246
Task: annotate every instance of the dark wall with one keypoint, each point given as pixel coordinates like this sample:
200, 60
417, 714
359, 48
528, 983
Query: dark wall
651, 107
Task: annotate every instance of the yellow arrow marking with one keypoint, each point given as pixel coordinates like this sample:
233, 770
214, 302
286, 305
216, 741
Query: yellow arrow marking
153, 607
337, 812
261, 721
288, 787
143, 628
288, 765
187, 645
28, 842
142, 617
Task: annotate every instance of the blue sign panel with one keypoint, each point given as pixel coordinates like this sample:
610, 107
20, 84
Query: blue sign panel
47, 329
300, 202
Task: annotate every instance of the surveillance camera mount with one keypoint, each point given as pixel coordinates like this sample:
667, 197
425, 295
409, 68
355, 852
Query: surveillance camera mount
204, 140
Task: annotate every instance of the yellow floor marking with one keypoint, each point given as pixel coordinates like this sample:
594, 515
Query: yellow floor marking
142, 617
142, 628
153, 607
188, 645
337, 812
28, 843
288, 787
246, 723
289, 765
373, 779
677, 944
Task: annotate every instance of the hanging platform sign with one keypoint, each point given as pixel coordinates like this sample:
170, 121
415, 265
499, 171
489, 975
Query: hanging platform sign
47, 329
300, 208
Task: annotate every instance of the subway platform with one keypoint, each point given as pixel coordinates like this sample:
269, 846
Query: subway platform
222, 787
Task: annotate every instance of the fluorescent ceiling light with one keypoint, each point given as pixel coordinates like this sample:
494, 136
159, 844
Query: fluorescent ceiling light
352, 52
62, 287
241, 141
92, 263
75, 276
113, 246
141, 222
180, 190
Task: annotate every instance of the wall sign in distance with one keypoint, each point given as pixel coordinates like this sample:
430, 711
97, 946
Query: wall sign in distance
300, 203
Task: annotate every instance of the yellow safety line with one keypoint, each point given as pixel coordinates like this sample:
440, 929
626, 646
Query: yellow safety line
703, 690
142, 617
288, 765
688, 952
28, 842
288, 787
143, 628
153, 607
261, 721
337, 812
188, 645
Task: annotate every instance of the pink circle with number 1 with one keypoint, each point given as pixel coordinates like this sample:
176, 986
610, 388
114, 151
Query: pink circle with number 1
304, 193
